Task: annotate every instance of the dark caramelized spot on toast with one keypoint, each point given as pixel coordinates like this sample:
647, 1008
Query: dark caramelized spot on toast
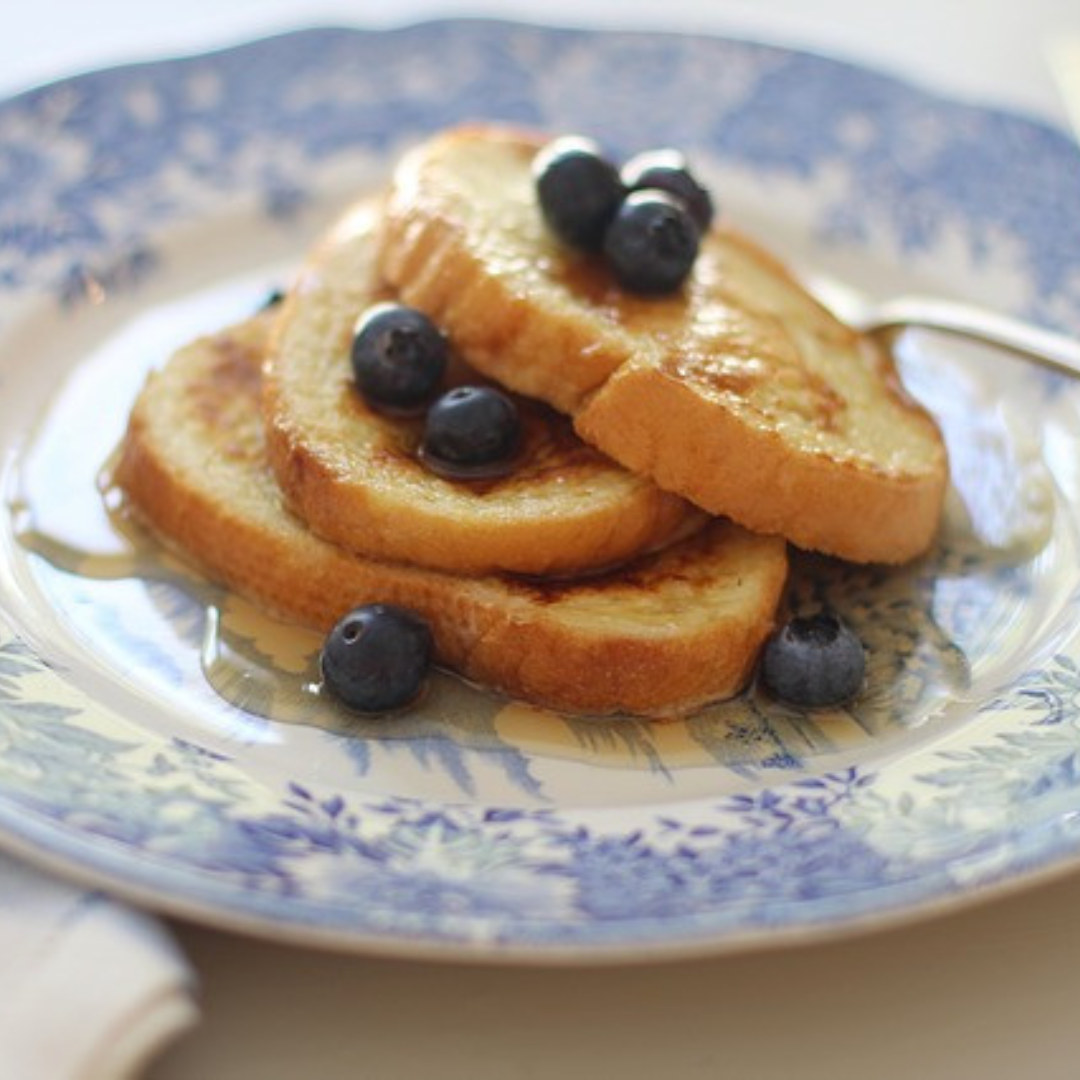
227, 393
733, 371
645, 574
236, 370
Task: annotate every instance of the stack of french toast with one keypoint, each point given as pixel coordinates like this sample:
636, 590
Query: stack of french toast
631, 556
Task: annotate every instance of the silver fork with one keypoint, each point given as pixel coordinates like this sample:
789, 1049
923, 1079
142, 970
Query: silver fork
1052, 350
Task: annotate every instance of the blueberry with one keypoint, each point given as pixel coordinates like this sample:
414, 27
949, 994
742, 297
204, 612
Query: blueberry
398, 357
668, 171
814, 661
471, 427
652, 243
579, 190
377, 657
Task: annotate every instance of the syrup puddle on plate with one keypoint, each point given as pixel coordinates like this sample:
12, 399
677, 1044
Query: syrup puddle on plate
932, 629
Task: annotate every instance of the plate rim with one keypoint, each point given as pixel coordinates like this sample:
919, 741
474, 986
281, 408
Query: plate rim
579, 952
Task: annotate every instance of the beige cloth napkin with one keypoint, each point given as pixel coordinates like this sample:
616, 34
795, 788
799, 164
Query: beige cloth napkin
89, 989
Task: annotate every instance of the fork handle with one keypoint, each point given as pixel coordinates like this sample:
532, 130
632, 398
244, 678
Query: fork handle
1052, 350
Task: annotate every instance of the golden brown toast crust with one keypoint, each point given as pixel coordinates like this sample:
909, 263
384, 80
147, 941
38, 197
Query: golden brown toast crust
355, 477
667, 634
740, 392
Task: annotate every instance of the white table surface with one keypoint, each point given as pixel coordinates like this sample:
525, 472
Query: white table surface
989, 992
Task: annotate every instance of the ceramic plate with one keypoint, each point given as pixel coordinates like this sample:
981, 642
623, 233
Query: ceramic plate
154, 737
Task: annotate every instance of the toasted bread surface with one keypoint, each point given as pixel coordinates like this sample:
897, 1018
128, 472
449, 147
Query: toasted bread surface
739, 392
354, 475
669, 632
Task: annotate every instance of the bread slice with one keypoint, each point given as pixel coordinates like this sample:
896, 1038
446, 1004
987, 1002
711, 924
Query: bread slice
669, 632
740, 392
355, 477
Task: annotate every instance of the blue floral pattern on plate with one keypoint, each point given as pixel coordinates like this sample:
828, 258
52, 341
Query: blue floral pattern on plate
803, 833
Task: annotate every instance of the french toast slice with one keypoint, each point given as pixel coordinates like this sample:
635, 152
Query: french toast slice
659, 637
739, 392
355, 477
